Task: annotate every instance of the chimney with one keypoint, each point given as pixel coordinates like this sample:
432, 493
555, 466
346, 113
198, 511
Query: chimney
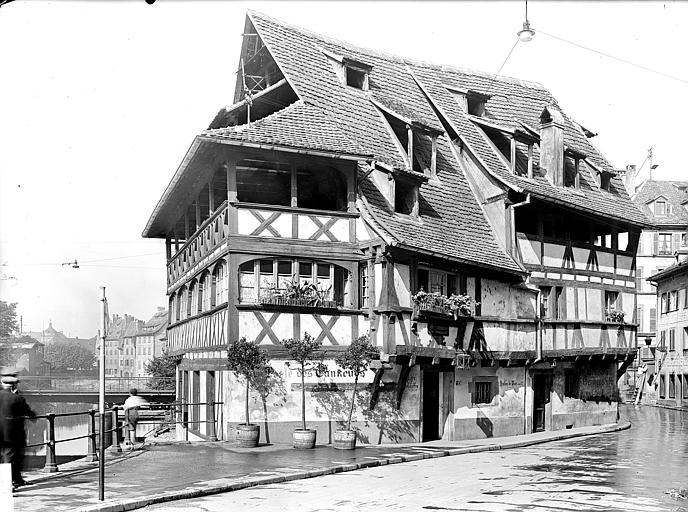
552, 145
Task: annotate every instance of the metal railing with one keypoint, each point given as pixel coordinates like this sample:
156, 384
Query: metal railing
44, 383
179, 414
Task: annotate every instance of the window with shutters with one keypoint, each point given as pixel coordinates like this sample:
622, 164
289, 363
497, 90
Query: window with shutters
662, 386
639, 318
685, 298
672, 340
653, 319
639, 280
663, 302
572, 384
662, 339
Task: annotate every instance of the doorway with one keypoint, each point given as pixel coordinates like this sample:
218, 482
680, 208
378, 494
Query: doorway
431, 406
542, 390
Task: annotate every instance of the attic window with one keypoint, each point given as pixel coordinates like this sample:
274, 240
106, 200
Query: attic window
476, 104
405, 197
419, 146
571, 173
356, 78
660, 208
605, 181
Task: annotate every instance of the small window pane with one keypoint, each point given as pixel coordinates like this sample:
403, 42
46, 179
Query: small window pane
266, 266
323, 270
306, 269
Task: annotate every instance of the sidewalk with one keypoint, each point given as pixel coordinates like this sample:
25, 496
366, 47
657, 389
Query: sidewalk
173, 471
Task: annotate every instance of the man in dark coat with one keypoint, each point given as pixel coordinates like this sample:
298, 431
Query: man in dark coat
13, 410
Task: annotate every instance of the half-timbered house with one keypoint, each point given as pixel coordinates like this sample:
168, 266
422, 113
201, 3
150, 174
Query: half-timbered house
462, 220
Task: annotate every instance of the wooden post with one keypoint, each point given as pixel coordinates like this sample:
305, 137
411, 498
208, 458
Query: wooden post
212, 436
409, 147
433, 159
186, 225
211, 198
530, 160
92, 454
50, 461
197, 207
168, 248
513, 155
294, 190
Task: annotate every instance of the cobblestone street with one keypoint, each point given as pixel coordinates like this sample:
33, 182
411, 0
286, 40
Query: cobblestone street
634, 469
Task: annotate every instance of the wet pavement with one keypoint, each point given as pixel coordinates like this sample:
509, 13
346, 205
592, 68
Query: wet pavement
635, 469
627, 470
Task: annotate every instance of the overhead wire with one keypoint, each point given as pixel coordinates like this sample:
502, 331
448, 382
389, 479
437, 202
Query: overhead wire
604, 54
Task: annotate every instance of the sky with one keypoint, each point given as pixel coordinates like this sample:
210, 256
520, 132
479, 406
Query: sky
99, 101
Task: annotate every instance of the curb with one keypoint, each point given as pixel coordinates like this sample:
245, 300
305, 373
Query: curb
191, 492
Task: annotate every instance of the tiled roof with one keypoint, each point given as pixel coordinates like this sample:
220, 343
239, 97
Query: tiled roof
512, 101
676, 194
681, 266
452, 223
299, 125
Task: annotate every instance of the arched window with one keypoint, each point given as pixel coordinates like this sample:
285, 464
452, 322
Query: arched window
181, 303
276, 280
205, 291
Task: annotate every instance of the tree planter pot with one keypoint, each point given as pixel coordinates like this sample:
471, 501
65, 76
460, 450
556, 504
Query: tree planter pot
304, 439
344, 439
247, 435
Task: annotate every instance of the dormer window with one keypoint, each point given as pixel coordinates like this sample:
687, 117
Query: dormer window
472, 102
351, 72
476, 103
356, 78
660, 208
405, 196
606, 181
416, 142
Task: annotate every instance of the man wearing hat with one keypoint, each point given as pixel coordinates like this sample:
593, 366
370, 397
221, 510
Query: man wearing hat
13, 410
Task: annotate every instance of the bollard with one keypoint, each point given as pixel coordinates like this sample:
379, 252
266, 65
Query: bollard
115, 432
211, 422
50, 460
92, 455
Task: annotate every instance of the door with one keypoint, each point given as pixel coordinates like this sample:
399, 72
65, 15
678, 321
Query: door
431, 406
542, 388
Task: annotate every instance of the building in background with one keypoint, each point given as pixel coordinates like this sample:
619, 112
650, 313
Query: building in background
24, 354
50, 336
670, 385
150, 341
351, 192
665, 204
120, 346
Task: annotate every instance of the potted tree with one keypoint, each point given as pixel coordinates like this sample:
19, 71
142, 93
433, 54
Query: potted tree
356, 358
304, 351
268, 382
247, 360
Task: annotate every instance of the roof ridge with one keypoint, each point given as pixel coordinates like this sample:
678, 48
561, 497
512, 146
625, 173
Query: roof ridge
401, 59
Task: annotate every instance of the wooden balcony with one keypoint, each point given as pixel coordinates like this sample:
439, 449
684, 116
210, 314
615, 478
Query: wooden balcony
202, 244
295, 223
259, 221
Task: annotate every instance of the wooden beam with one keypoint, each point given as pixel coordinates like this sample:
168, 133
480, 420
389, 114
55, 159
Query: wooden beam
211, 198
433, 159
375, 391
401, 385
409, 150
168, 248
197, 207
530, 160
512, 159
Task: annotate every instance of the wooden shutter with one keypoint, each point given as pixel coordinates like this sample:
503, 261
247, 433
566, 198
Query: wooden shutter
675, 242
655, 243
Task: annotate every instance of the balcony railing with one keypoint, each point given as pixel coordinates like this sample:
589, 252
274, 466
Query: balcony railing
206, 239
